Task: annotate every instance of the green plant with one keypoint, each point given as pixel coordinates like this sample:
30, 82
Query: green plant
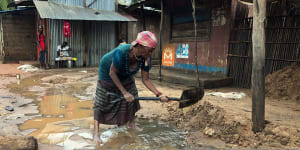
3, 4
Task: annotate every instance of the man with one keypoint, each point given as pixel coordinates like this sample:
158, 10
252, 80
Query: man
114, 102
62, 50
41, 48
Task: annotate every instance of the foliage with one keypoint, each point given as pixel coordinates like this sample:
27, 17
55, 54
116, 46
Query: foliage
3, 4
135, 1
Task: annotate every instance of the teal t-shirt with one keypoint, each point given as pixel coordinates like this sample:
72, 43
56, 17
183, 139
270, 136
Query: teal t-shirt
120, 58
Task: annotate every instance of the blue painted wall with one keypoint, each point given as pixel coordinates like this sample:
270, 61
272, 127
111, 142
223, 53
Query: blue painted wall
200, 68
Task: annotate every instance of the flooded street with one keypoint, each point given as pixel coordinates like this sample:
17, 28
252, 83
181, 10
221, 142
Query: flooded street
65, 117
56, 107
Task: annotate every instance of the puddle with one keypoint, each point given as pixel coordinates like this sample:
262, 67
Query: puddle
66, 120
154, 136
58, 108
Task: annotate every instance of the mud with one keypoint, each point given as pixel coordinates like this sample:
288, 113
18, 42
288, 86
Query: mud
210, 118
58, 101
284, 84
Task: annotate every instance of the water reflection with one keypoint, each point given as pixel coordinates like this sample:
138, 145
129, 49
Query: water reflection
58, 108
67, 121
153, 136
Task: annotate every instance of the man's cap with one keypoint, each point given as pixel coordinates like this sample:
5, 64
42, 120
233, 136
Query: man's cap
146, 38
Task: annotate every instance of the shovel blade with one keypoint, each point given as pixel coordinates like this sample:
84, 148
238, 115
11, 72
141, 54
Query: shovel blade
190, 97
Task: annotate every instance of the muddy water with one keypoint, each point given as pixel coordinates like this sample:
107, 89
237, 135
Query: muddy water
67, 121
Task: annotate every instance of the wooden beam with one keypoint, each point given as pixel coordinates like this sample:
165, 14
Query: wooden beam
251, 1
84, 3
195, 40
160, 37
258, 65
48, 43
89, 5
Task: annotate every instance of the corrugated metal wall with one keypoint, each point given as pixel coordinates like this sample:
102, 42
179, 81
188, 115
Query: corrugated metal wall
75, 41
99, 36
101, 39
99, 4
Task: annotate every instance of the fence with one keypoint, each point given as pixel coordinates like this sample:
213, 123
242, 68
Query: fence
282, 47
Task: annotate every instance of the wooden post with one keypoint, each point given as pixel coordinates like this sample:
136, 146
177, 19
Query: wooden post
258, 66
196, 52
48, 44
160, 37
84, 3
143, 18
84, 44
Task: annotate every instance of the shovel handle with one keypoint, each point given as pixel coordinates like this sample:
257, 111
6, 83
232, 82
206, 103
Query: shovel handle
147, 98
156, 98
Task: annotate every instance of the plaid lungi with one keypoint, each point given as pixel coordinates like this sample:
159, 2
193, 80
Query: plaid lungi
113, 108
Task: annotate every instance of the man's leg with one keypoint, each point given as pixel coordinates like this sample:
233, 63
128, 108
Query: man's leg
133, 125
96, 132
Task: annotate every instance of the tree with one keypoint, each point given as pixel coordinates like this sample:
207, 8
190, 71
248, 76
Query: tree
3, 4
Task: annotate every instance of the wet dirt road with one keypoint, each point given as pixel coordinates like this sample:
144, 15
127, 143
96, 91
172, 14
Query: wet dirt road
65, 115
55, 106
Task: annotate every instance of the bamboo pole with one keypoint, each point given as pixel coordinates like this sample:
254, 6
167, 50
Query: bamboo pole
196, 49
160, 37
258, 65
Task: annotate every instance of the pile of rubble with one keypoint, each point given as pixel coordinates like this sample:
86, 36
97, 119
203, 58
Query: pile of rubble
284, 84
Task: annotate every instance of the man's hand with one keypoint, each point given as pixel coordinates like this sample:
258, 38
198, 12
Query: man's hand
129, 97
163, 98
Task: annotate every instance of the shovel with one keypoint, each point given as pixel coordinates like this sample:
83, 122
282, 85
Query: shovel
188, 97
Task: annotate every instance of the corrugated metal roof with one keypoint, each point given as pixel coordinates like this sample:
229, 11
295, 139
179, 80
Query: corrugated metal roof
98, 4
52, 10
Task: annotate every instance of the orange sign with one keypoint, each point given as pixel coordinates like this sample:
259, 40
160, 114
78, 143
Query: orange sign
168, 56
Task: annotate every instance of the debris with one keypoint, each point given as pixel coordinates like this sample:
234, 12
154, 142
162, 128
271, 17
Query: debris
18, 142
9, 108
284, 84
28, 68
18, 76
86, 135
209, 131
61, 116
83, 71
230, 95
14, 116
5, 97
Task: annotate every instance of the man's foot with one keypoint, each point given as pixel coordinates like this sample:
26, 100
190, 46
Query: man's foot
97, 140
133, 126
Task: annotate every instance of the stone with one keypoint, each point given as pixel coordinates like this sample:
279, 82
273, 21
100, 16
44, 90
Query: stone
284, 141
9, 108
209, 131
18, 142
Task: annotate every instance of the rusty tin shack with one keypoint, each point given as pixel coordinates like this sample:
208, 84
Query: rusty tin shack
93, 28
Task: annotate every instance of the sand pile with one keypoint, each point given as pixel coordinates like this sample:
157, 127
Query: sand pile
284, 84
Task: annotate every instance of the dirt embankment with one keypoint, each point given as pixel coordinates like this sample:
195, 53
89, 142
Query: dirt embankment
284, 84
214, 121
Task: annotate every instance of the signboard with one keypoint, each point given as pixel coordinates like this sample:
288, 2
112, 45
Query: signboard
182, 51
168, 56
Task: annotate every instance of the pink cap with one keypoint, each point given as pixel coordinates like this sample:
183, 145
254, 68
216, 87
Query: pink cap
146, 38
